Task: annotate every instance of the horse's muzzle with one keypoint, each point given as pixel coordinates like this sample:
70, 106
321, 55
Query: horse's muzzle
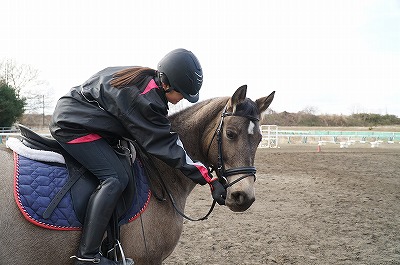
239, 201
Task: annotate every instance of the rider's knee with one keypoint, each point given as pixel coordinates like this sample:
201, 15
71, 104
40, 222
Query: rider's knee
116, 185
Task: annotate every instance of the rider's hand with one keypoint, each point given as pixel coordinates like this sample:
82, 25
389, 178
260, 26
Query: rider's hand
218, 191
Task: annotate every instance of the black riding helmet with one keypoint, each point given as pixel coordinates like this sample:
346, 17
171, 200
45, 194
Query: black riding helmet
184, 73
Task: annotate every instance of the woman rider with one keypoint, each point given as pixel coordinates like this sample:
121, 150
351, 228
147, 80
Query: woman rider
129, 102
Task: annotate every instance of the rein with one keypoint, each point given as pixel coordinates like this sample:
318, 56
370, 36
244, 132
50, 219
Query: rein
148, 165
221, 171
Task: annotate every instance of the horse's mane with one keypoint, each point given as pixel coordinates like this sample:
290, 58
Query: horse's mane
209, 107
193, 124
212, 107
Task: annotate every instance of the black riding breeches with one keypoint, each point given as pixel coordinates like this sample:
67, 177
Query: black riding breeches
100, 159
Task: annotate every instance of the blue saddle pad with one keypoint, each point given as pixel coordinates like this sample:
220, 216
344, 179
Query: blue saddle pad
36, 183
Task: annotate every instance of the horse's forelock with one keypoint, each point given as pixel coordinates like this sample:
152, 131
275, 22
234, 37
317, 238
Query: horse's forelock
247, 108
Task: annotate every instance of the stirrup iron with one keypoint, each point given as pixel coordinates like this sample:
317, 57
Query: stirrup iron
94, 260
117, 247
121, 251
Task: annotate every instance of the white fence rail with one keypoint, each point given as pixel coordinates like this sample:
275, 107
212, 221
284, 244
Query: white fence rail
269, 136
272, 137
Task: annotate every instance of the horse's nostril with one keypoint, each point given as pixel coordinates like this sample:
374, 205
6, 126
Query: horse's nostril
239, 201
239, 197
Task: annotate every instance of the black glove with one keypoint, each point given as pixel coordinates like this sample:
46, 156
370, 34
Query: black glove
218, 191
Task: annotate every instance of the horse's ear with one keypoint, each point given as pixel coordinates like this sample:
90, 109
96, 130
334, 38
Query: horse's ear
238, 97
263, 103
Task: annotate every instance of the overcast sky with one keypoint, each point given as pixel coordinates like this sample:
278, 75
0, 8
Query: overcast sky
337, 57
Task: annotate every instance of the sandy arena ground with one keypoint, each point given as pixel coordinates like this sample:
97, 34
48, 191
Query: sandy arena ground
337, 206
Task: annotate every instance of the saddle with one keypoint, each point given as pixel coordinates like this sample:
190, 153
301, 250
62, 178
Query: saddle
81, 183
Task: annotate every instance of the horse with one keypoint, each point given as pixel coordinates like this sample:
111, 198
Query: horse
221, 132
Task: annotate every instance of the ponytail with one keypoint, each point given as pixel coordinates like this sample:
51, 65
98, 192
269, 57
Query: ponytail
131, 76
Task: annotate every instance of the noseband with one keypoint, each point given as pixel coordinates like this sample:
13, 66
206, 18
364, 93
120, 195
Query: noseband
221, 171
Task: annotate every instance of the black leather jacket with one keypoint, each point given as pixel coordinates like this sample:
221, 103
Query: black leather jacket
131, 112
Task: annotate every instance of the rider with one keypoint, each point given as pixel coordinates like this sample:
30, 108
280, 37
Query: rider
129, 102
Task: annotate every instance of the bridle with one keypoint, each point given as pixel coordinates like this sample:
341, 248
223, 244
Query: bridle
220, 170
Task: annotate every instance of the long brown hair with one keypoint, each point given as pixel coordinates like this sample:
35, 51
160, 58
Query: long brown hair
131, 76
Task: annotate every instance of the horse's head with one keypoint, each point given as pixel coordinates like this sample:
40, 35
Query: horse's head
238, 136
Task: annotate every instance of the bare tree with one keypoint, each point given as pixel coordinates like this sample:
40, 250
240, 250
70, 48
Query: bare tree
310, 110
24, 80
39, 98
18, 76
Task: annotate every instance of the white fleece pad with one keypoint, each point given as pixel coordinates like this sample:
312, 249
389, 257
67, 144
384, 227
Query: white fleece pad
39, 155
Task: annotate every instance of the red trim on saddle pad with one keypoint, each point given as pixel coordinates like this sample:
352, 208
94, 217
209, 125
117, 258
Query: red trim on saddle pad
133, 218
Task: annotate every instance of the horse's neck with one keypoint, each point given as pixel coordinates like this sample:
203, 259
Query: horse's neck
194, 126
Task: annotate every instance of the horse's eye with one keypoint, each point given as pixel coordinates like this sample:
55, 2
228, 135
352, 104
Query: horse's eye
230, 134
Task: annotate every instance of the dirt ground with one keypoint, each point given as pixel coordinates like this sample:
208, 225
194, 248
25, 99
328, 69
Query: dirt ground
337, 206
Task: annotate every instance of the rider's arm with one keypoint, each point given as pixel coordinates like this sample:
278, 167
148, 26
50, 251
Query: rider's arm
147, 122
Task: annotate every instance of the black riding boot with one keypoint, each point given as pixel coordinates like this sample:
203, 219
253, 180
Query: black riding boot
100, 207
